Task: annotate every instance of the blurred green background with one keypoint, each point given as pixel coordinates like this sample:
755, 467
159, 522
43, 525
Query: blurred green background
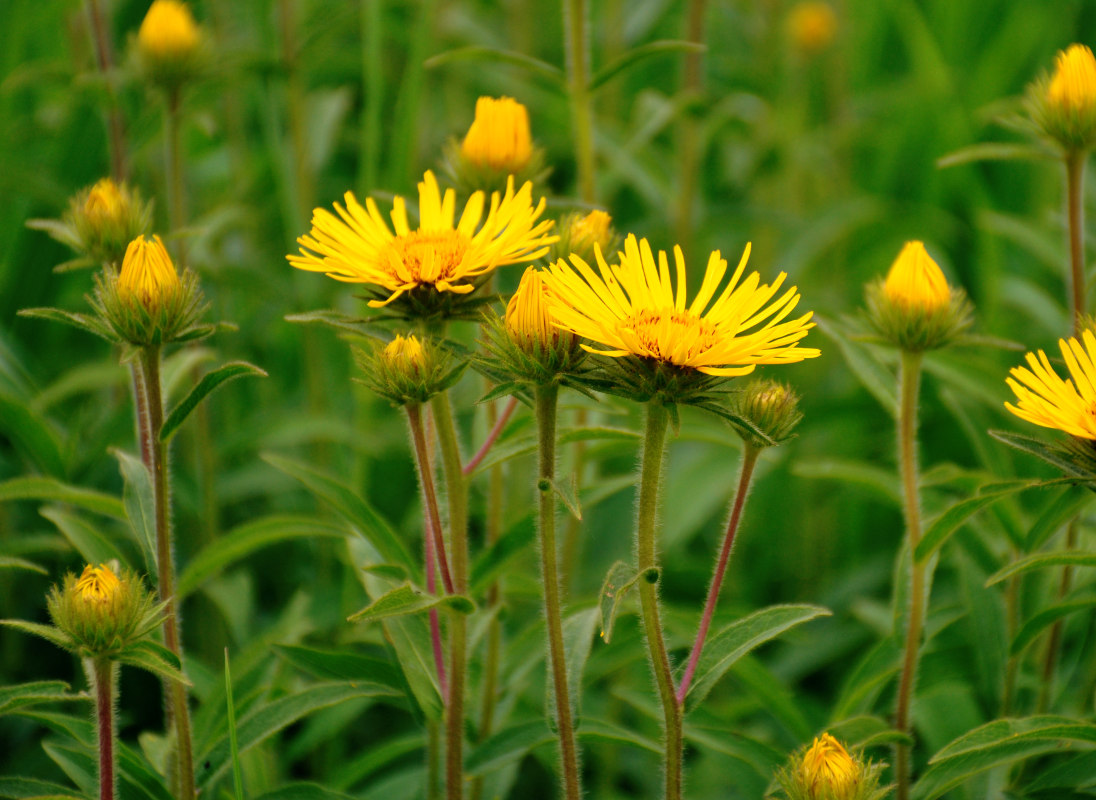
823, 156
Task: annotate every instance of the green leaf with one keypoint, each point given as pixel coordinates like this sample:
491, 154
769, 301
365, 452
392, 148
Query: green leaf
343, 323
739, 638
1040, 449
36, 488
993, 151
11, 562
490, 562
506, 746
642, 53
873, 671
1060, 510
155, 658
240, 542
568, 495
352, 507
873, 477
539, 68
406, 599
578, 639
1035, 625
47, 632
25, 694
270, 718
209, 382
997, 743
598, 730
303, 791
951, 520
340, 665
32, 434
140, 505
19, 788
1074, 773
94, 547
1062, 558
875, 377
233, 744
618, 582
409, 638
84, 322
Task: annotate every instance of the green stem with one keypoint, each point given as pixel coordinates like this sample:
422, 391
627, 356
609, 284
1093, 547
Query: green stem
104, 57
909, 377
165, 568
577, 42
1075, 179
103, 673
433, 749
457, 493
546, 398
1012, 596
654, 444
173, 172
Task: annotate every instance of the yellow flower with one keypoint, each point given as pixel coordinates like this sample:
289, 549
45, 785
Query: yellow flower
916, 282
811, 26
1072, 90
499, 135
168, 31
147, 275
633, 309
105, 203
592, 229
828, 771
404, 354
98, 584
358, 247
1045, 399
527, 316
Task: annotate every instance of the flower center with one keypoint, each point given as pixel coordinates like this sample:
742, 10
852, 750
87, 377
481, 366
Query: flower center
426, 256
670, 335
97, 584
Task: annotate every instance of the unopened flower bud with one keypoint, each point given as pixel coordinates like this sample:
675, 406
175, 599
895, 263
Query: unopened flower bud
811, 26
102, 611
148, 275
499, 136
579, 233
771, 408
105, 218
827, 771
914, 307
407, 370
404, 354
168, 43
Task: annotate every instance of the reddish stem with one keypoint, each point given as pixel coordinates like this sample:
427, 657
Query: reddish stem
433, 529
500, 423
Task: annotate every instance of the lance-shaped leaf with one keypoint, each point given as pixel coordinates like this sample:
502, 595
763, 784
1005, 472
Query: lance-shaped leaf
537, 67
406, 599
1062, 558
642, 53
140, 505
209, 382
155, 658
84, 322
47, 632
32, 487
1034, 626
618, 582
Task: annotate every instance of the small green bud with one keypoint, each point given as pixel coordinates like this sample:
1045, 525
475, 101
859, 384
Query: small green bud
407, 370
102, 611
771, 407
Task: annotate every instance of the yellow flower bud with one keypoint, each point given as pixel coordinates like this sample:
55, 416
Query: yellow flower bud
103, 611
148, 276
405, 354
812, 27
828, 772
771, 407
104, 219
98, 584
915, 281
499, 136
1072, 90
168, 31
105, 203
527, 318
594, 228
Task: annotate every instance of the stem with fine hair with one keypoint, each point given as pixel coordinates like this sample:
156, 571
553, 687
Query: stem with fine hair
179, 712
456, 491
577, 41
654, 444
909, 378
749, 461
422, 460
497, 424
103, 674
546, 398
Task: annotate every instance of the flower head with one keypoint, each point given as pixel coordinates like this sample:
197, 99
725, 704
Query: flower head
168, 31
769, 411
812, 26
404, 354
634, 309
828, 770
407, 370
148, 275
916, 281
1045, 399
103, 611
437, 258
528, 320
499, 136
1064, 104
103, 219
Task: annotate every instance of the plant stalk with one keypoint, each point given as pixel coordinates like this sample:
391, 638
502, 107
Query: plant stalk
1075, 179
749, 461
457, 494
103, 673
179, 713
496, 428
654, 444
422, 460
546, 399
104, 58
577, 41
909, 377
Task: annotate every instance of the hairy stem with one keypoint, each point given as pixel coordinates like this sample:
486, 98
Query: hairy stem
654, 444
426, 476
496, 428
749, 461
457, 493
909, 376
103, 675
546, 397
179, 712
1075, 179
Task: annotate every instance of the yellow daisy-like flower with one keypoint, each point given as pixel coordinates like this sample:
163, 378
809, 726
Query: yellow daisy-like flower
1073, 87
499, 136
148, 274
97, 584
828, 771
633, 309
358, 247
168, 30
915, 281
1047, 400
